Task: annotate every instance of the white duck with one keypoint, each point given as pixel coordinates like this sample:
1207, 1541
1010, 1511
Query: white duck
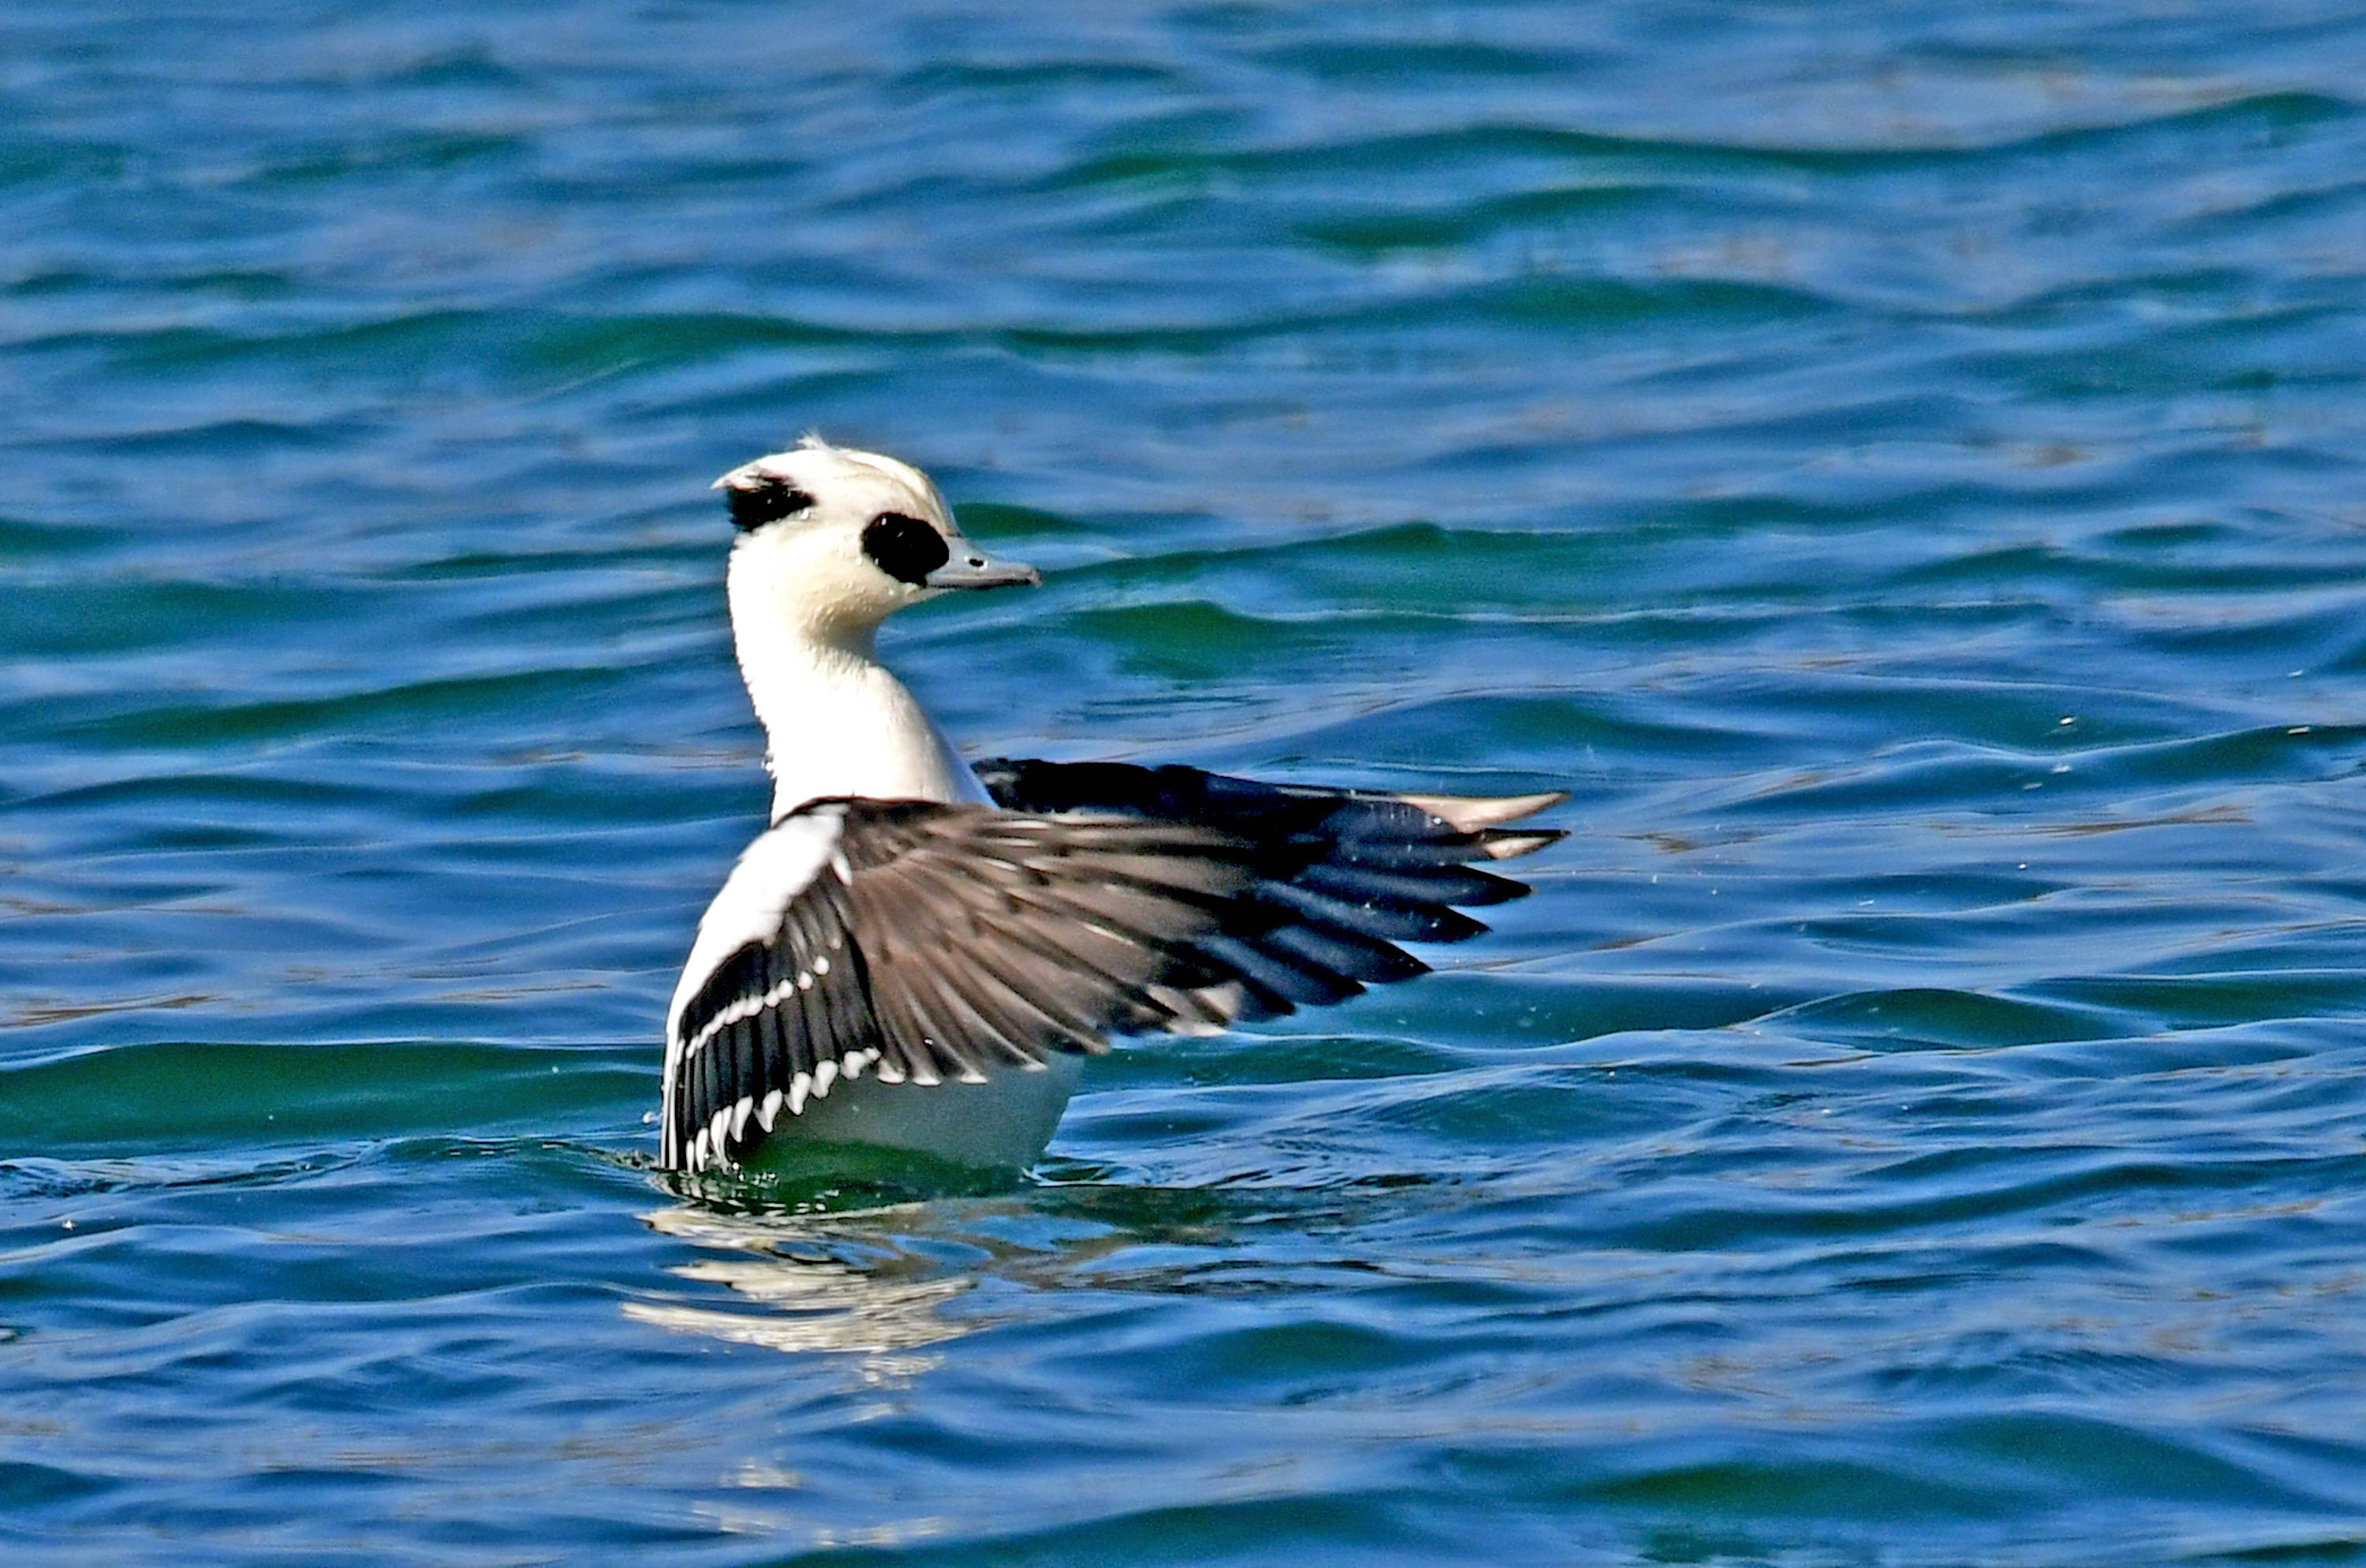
918, 953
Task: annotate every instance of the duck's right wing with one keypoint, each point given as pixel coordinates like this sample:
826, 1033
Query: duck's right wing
925, 942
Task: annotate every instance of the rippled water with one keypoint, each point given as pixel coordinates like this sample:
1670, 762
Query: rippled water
1898, 466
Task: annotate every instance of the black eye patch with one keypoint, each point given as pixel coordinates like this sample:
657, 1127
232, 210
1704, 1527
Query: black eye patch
903, 548
766, 501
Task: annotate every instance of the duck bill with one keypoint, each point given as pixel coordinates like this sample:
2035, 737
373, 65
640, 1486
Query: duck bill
972, 567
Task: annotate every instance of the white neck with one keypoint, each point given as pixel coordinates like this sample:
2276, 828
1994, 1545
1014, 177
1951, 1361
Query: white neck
834, 721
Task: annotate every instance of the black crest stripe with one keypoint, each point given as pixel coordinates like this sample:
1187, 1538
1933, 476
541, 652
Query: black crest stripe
766, 501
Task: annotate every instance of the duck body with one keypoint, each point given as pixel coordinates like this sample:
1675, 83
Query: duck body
918, 954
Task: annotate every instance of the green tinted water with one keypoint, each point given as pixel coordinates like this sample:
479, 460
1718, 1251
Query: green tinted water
1897, 467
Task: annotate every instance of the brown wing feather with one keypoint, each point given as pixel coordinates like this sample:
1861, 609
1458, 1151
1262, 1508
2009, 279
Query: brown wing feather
993, 940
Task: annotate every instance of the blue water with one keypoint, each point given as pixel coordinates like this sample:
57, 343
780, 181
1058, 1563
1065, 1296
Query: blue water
1901, 468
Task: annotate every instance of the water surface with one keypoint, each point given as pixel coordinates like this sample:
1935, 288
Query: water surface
1897, 466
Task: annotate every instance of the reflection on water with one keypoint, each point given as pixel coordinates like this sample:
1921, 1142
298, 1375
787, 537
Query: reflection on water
879, 1279
808, 1299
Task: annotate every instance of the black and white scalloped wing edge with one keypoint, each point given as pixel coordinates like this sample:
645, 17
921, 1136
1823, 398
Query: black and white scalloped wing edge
747, 911
929, 942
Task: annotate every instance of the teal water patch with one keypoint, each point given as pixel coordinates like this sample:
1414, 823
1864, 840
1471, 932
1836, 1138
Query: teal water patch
190, 1097
1897, 469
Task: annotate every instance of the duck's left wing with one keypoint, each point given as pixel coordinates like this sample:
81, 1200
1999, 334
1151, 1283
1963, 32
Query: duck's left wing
926, 941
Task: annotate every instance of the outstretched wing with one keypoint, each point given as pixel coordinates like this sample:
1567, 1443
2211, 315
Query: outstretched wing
925, 942
1359, 870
